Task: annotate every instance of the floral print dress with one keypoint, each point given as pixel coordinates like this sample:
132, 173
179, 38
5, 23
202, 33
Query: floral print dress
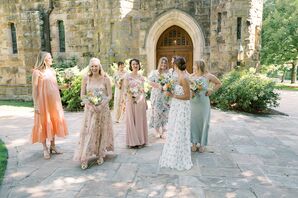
159, 103
176, 151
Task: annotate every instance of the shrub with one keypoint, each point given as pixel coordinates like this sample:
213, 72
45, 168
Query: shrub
71, 94
245, 91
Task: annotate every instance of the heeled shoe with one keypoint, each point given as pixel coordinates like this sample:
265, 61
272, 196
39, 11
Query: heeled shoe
46, 154
53, 150
99, 161
194, 148
84, 165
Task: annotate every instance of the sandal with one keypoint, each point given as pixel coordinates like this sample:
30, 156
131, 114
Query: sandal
194, 148
99, 161
201, 149
53, 150
84, 165
46, 154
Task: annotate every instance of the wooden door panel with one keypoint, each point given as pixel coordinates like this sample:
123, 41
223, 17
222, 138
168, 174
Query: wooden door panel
175, 41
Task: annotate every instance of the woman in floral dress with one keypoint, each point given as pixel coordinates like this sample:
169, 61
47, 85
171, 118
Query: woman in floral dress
119, 96
176, 151
96, 137
159, 101
136, 106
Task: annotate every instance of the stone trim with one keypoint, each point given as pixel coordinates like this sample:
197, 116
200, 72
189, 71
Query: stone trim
166, 20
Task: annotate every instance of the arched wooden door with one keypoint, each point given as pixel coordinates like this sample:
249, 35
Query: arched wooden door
175, 41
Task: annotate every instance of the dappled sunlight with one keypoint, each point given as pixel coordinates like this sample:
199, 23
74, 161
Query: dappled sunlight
230, 195
264, 180
248, 173
18, 142
17, 174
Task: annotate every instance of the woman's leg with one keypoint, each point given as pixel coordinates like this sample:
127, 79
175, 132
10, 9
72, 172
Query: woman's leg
46, 153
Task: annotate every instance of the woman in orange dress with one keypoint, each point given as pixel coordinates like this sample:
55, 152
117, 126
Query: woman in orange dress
48, 112
96, 137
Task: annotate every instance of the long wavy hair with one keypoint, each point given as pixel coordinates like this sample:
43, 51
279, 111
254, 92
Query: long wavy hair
201, 65
160, 61
40, 64
97, 61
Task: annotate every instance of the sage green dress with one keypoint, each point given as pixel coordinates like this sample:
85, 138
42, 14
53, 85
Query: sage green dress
200, 114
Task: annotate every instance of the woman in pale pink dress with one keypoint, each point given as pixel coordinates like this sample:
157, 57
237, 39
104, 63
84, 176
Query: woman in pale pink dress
136, 106
48, 112
96, 137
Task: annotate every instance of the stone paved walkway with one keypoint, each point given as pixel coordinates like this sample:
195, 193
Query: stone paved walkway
248, 156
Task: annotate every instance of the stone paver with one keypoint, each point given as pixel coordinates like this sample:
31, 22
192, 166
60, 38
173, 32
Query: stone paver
248, 156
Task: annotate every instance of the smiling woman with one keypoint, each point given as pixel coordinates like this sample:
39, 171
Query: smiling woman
3, 160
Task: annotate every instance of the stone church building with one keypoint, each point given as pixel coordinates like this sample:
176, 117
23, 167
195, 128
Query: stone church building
225, 33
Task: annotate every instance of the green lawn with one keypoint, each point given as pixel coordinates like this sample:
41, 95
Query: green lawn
287, 87
16, 103
3, 160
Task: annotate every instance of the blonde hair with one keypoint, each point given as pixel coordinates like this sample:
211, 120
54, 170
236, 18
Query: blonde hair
160, 61
200, 64
96, 60
40, 64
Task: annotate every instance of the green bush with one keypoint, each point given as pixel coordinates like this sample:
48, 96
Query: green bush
71, 94
3, 160
245, 91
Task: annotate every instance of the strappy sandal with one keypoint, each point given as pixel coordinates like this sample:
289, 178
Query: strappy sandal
201, 149
53, 150
99, 161
46, 154
194, 148
84, 165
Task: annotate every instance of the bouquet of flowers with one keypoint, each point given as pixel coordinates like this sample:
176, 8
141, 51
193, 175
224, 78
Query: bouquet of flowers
196, 85
163, 79
119, 81
94, 97
169, 86
135, 89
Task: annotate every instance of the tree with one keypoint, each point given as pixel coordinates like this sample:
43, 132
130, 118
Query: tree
280, 34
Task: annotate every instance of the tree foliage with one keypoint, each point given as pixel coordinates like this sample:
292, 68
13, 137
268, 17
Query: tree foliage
280, 33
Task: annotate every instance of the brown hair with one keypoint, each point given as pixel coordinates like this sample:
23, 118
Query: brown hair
180, 62
136, 60
201, 65
160, 61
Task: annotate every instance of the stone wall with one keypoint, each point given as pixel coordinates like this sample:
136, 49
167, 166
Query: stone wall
117, 30
225, 47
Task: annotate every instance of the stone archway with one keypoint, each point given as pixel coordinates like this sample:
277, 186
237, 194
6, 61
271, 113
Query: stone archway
168, 19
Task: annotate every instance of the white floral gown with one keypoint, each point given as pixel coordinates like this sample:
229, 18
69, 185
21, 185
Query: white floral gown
176, 151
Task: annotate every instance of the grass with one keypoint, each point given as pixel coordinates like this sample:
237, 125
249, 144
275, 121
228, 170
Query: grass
287, 87
3, 160
16, 103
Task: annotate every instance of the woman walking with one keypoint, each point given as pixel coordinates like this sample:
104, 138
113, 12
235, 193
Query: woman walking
48, 112
96, 137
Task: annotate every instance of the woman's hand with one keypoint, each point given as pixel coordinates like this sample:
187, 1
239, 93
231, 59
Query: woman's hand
169, 94
208, 92
36, 109
155, 85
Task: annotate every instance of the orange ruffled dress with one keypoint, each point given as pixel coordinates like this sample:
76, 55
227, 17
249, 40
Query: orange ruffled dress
49, 122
